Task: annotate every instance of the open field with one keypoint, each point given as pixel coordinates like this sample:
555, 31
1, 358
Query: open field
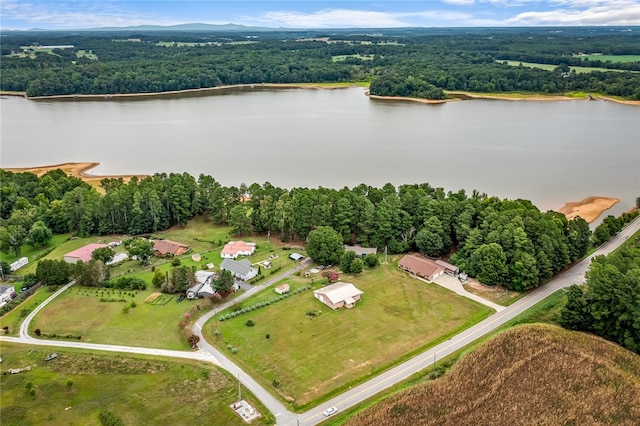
79, 312
611, 58
549, 67
86, 54
310, 357
74, 388
338, 58
536, 374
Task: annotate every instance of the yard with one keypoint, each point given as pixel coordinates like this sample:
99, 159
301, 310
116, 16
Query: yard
312, 351
76, 387
97, 316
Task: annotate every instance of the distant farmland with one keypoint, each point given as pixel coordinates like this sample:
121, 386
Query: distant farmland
550, 67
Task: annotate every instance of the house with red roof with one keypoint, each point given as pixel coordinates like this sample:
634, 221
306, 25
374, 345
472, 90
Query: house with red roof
233, 249
83, 253
163, 248
420, 266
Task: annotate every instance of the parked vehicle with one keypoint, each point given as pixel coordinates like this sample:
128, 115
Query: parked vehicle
329, 411
52, 356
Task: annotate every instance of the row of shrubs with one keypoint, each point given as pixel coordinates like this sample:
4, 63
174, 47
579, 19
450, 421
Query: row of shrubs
262, 304
126, 283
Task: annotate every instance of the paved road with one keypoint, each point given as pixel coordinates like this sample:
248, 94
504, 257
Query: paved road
356, 395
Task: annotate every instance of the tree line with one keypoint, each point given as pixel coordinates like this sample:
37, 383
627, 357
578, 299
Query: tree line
420, 64
500, 241
608, 305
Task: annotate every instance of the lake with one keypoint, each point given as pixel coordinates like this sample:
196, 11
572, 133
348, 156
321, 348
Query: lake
548, 152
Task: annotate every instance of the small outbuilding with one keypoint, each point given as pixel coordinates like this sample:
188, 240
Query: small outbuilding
282, 288
296, 256
338, 295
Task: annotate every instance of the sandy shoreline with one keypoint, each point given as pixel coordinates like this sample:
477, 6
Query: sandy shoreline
453, 96
79, 170
589, 209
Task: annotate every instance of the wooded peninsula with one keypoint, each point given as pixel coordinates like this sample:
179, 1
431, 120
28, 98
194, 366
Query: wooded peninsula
409, 62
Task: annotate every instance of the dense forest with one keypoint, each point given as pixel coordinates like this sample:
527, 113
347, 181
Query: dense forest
506, 242
609, 303
401, 62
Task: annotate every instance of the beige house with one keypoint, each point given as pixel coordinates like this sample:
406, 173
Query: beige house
338, 295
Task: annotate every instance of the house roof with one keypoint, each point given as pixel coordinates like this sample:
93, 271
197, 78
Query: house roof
241, 268
296, 256
339, 292
234, 247
168, 246
84, 252
359, 250
5, 288
204, 276
446, 265
419, 264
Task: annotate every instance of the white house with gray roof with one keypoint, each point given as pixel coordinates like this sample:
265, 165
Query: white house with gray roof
241, 270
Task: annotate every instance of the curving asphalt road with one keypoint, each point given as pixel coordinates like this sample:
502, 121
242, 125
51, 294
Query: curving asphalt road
358, 394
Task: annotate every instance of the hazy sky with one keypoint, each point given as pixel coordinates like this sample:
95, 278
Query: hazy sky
67, 14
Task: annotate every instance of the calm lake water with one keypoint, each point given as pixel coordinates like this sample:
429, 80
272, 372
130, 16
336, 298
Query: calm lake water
548, 152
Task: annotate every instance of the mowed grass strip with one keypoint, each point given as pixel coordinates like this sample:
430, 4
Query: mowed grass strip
550, 67
310, 357
611, 58
79, 311
74, 388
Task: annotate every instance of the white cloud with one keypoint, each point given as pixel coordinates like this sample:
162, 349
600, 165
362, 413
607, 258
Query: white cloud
583, 12
332, 18
77, 14
460, 2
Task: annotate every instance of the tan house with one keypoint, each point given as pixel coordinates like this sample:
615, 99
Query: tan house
338, 295
163, 248
420, 266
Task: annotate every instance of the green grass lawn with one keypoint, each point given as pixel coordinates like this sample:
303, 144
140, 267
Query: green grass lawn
79, 310
74, 388
611, 58
549, 67
312, 358
339, 58
13, 318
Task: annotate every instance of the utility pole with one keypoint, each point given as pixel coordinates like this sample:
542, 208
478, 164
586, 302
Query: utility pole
385, 255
